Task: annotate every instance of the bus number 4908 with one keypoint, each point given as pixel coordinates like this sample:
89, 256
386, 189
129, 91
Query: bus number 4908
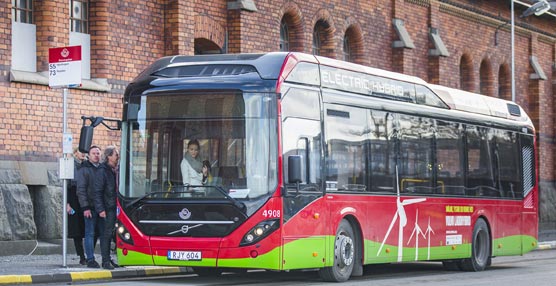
271, 213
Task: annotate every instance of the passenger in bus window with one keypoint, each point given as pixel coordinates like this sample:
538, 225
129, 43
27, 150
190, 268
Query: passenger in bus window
192, 170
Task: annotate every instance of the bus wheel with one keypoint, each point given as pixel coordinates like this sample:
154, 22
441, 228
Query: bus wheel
207, 271
344, 255
480, 248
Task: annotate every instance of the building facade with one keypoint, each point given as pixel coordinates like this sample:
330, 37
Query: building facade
463, 44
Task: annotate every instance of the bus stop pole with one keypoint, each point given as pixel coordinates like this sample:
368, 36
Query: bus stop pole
64, 191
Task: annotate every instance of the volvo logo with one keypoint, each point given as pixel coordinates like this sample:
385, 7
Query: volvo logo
184, 213
184, 229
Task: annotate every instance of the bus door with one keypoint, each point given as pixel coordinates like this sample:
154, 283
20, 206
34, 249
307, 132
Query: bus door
304, 219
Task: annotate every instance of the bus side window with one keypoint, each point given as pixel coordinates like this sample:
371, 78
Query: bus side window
508, 178
346, 140
382, 151
479, 161
449, 159
416, 162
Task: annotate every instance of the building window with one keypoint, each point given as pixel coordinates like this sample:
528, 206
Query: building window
284, 36
486, 79
316, 41
80, 16
22, 11
319, 36
504, 84
347, 50
466, 73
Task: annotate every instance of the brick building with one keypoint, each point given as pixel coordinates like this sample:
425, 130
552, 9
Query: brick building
458, 43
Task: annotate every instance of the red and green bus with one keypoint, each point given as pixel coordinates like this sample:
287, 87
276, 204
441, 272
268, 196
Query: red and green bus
319, 163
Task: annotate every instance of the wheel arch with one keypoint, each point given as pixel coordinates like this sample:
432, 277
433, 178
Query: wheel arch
359, 240
487, 221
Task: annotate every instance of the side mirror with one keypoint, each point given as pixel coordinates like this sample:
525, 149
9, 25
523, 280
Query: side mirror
294, 169
85, 139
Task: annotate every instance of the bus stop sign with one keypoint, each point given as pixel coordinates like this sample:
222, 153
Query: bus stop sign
64, 67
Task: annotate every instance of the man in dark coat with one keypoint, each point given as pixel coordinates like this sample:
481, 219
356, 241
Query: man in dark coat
106, 189
76, 224
94, 226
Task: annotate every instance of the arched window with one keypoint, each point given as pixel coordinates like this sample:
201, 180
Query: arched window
204, 46
347, 50
292, 37
318, 34
486, 82
323, 44
352, 49
504, 83
466, 73
284, 36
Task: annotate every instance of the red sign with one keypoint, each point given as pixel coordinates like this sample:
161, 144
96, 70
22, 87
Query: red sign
64, 66
64, 54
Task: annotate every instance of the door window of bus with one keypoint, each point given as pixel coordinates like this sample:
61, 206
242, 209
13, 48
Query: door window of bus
449, 158
382, 151
346, 136
415, 160
301, 134
480, 179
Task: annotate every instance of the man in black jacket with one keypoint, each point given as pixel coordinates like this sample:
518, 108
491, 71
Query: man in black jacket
86, 179
106, 189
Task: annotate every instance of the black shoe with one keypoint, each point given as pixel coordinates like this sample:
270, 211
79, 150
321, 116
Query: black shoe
114, 264
92, 264
82, 261
107, 265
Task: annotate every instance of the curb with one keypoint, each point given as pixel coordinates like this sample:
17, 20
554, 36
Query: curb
547, 245
90, 275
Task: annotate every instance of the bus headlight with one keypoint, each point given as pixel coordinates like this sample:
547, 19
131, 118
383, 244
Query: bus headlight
123, 233
260, 231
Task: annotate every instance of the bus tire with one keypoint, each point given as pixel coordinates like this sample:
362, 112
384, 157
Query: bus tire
207, 271
480, 248
344, 255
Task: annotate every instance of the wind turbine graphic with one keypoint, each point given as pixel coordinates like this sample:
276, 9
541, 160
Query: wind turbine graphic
428, 234
400, 213
416, 231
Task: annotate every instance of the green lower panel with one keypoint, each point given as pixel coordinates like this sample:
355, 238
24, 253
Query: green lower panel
134, 258
305, 252
514, 245
270, 260
389, 253
316, 252
529, 243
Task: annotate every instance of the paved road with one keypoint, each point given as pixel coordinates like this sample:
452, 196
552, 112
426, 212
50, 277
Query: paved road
536, 268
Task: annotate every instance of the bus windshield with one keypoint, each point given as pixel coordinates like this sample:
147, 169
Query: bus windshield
235, 134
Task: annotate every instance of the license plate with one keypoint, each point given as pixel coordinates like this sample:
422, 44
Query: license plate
184, 255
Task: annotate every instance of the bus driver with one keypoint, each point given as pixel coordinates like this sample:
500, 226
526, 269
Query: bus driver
192, 170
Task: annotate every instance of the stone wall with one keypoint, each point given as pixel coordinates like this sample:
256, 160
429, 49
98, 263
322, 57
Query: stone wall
30, 211
16, 208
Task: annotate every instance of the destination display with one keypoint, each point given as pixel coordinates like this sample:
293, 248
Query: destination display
366, 84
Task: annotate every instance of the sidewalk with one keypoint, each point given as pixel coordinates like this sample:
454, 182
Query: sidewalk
29, 269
